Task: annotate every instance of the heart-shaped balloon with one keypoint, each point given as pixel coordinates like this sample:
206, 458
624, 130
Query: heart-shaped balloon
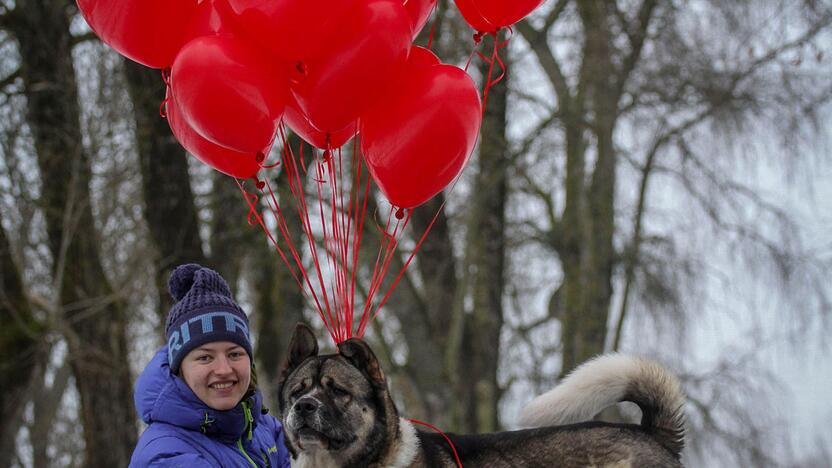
294, 30
229, 162
356, 67
418, 139
504, 13
419, 12
147, 31
420, 57
299, 124
229, 94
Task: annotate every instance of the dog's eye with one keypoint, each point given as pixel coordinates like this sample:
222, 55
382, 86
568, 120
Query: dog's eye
340, 392
296, 392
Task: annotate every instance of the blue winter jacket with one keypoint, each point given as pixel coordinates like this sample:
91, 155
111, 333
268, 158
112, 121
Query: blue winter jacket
183, 432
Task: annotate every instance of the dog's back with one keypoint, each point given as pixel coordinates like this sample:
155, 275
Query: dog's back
563, 434
593, 444
610, 379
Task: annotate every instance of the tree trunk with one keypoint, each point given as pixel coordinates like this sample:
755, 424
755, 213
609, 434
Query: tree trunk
486, 265
589, 219
47, 403
94, 314
279, 302
169, 207
231, 236
427, 316
21, 353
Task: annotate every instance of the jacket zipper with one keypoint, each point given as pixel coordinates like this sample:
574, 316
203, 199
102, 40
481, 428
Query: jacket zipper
249, 423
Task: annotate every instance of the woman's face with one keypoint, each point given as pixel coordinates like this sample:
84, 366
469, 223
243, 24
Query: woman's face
218, 373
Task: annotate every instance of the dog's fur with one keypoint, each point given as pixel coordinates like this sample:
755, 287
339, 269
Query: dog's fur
337, 412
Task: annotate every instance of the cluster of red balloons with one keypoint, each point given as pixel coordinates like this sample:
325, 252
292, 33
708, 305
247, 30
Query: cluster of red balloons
329, 69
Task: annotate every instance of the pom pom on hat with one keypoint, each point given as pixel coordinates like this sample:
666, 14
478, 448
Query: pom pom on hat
182, 279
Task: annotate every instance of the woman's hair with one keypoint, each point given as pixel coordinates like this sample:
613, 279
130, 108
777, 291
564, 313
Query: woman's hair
252, 387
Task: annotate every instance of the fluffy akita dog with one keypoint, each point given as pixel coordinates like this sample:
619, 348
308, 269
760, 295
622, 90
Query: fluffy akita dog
337, 412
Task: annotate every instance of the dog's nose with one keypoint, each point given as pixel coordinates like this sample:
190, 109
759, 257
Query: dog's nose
306, 405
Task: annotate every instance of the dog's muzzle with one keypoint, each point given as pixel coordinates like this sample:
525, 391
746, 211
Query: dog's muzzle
312, 427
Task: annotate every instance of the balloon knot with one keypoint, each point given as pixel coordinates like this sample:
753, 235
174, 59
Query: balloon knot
163, 109
478, 37
260, 157
327, 156
259, 183
400, 213
166, 76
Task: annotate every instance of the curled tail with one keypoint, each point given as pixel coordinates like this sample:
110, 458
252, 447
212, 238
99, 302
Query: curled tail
609, 379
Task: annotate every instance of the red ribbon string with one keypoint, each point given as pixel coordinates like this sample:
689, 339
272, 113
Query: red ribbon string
332, 227
495, 57
256, 218
163, 110
432, 25
447, 439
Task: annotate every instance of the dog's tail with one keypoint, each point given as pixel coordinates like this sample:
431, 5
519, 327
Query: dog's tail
610, 379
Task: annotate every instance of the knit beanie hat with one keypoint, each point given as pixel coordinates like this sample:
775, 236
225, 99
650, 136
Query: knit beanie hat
204, 312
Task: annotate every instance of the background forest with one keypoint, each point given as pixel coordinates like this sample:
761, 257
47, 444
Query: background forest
651, 177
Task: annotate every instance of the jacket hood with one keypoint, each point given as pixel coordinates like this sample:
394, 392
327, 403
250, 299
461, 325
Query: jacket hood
161, 396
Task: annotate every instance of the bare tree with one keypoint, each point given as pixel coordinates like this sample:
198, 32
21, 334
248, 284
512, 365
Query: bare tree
21, 348
169, 207
93, 313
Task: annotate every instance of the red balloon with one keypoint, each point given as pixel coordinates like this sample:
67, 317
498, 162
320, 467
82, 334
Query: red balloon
299, 124
357, 66
228, 93
212, 18
505, 13
147, 31
419, 12
473, 16
420, 57
292, 29
418, 140
229, 162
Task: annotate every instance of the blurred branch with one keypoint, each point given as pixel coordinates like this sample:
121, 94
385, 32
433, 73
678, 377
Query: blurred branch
11, 78
637, 33
86, 37
537, 40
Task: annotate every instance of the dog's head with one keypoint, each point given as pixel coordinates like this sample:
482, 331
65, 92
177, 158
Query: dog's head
335, 406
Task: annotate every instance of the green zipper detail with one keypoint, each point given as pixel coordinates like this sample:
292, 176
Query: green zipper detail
250, 424
249, 419
243, 451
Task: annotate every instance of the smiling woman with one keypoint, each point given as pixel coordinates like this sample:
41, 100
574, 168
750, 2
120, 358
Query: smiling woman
198, 395
218, 373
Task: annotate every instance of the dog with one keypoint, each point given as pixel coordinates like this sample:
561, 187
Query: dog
337, 412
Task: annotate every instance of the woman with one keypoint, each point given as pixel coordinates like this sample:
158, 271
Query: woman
199, 395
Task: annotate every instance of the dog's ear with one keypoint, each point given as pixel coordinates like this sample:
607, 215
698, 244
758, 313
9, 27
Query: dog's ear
361, 356
303, 346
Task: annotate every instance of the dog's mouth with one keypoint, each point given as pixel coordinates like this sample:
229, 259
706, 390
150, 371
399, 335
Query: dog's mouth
309, 437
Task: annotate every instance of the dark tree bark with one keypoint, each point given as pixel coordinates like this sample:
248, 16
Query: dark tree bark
169, 207
279, 302
486, 260
21, 353
583, 235
93, 312
231, 236
589, 279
